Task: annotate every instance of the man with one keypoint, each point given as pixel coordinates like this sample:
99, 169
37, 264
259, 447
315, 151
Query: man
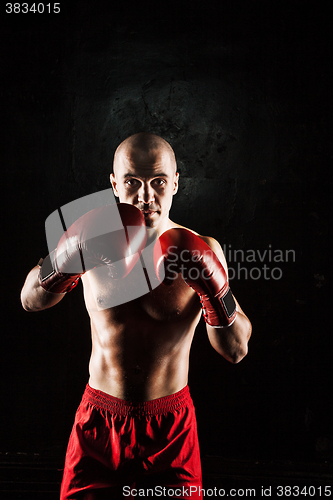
136, 423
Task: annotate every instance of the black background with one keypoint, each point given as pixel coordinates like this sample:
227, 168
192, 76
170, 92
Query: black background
241, 90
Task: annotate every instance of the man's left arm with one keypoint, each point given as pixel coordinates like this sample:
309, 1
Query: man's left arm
201, 262
230, 341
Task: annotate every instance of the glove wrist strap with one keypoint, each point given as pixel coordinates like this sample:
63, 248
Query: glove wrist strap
52, 280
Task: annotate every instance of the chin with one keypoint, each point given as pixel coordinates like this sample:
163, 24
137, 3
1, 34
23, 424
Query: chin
150, 223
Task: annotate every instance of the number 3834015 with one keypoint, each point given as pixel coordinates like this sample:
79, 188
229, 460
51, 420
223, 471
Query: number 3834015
35, 8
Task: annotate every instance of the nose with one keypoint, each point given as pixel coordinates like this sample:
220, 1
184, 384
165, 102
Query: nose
146, 193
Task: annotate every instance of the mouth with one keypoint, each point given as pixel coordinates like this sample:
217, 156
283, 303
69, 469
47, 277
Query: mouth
148, 213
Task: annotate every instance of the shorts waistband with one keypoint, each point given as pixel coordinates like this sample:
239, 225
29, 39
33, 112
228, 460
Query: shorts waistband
158, 406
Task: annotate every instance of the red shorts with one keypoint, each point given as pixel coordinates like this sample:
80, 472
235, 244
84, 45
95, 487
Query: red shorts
118, 449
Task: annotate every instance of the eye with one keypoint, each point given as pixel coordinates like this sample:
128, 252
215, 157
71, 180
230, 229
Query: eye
131, 182
159, 182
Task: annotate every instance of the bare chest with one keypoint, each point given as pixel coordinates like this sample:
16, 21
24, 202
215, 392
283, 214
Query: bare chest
134, 296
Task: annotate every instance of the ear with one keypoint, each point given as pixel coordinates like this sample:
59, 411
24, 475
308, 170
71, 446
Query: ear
114, 184
175, 183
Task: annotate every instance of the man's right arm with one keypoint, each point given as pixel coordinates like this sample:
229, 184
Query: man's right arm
91, 241
34, 297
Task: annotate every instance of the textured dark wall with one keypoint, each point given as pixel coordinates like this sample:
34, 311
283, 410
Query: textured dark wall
241, 91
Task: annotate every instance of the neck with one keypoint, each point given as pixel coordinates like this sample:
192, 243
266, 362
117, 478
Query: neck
164, 226
154, 233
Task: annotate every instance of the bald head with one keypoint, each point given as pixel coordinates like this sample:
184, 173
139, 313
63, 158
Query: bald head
144, 148
145, 175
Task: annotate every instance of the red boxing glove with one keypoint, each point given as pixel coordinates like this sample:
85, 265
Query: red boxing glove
113, 235
180, 250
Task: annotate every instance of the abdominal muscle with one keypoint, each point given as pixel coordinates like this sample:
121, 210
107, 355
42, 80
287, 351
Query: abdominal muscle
140, 349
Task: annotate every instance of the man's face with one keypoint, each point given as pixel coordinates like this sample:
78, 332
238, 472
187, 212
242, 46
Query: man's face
147, 181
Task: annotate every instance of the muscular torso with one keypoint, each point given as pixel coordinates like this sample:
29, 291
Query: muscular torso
140, 349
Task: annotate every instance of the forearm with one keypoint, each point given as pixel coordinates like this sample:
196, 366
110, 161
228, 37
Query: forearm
34, 297
231, 342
